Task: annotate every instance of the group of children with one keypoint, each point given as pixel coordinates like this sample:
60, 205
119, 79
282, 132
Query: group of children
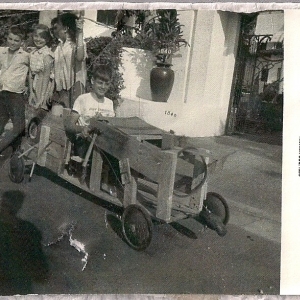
51, 75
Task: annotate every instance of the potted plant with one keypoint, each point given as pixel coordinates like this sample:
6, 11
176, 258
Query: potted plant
162, 35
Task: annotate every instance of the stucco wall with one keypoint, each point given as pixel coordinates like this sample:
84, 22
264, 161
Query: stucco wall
199, 101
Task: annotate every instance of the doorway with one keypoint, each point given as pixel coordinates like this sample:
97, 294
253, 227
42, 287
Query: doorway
257, 94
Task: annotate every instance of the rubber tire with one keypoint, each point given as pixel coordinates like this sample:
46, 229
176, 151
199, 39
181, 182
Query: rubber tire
216, 204
137, 227
34, 130
16, 168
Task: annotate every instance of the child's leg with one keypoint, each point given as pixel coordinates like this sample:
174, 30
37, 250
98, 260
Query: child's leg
4, 115
81, 147
114, 169
16, 108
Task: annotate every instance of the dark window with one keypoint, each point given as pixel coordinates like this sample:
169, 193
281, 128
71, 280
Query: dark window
264, 74
107, 17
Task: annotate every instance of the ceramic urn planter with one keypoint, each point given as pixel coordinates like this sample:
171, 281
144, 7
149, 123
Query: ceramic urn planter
161, 82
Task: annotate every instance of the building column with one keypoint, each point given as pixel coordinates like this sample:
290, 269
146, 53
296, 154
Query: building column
46, 16
212, 65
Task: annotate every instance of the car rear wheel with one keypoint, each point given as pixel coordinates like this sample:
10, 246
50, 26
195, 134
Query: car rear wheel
137, 227
217, 205
34, 130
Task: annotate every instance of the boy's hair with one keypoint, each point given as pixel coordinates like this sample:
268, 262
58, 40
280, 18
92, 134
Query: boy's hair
45, 34
69, 20
54, 21
16, 30
102, 72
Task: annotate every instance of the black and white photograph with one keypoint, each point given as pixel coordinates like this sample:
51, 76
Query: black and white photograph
141, 151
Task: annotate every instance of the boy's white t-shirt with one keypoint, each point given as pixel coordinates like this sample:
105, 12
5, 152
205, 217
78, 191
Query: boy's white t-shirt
87, 107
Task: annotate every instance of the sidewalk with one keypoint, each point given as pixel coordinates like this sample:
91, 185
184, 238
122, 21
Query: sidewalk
248, 174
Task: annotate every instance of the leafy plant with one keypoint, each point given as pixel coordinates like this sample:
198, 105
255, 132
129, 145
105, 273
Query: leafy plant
140, 17
24, 19
162, 34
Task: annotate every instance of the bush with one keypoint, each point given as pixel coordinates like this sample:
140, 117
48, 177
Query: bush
25, 19
272, 114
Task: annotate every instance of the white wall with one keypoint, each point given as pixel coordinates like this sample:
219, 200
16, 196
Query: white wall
92, 28
198, 103
199, 100
46, 16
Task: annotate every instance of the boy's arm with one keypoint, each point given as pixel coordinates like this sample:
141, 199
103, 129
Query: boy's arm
1, 57
80, 51
48, 63
70, 123
30, 83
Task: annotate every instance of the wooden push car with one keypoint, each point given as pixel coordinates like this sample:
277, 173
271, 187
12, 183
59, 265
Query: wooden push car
131, 164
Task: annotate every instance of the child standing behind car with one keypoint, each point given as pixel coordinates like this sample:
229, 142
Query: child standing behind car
69, 59
14, 63
41, 80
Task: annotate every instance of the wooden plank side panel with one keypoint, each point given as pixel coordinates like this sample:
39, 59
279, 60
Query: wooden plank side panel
53, 121
96, 171
146, 137
56, 150
184, 168
133, 126
130, 192
143, 157
196, 201
125, 170
166, 186
52, 163
44, 141
102, 195
140, 131
32, 155
58, 135
168, 141
67, 152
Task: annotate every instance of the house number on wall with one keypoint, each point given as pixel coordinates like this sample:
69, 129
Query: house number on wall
170, 113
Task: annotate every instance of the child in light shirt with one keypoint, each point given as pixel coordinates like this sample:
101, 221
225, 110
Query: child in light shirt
41, 81
91, 105
14, 64
95, 103
88, 106
69, 59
